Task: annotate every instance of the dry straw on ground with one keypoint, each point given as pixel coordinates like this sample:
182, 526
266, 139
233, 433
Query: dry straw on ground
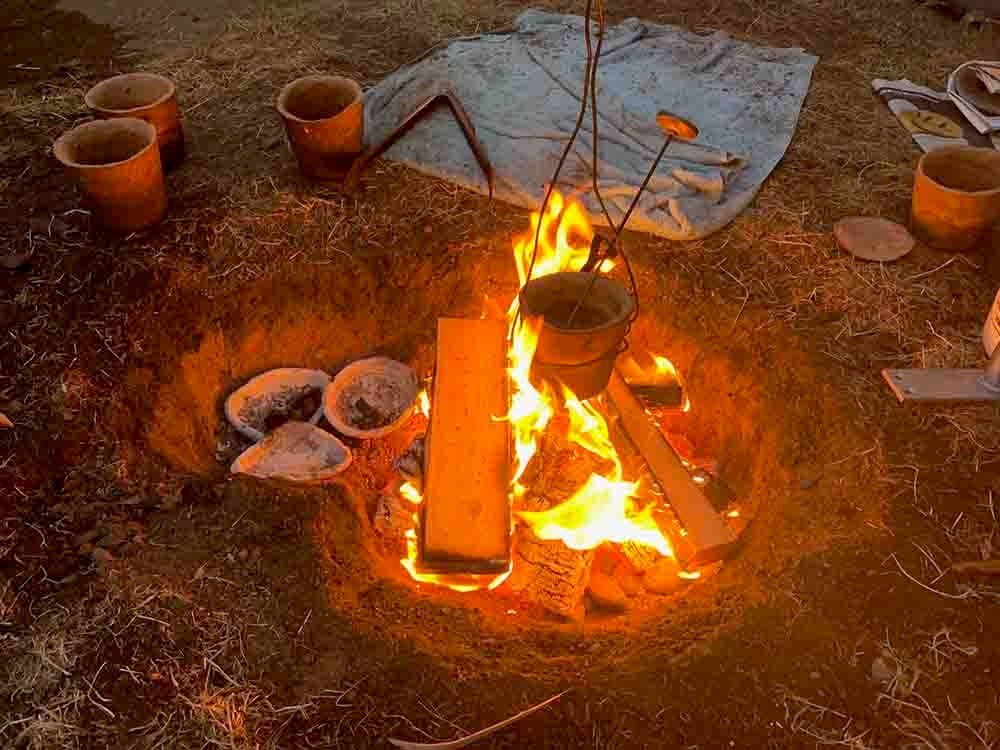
241, 212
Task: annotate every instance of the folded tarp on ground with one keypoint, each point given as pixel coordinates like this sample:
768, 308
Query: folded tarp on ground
521, 89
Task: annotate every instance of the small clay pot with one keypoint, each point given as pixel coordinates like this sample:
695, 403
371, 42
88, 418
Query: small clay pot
117, 165
324, 121
148, 97
956, 197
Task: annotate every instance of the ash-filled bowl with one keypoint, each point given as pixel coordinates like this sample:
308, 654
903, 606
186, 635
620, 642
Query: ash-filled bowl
371, 398
272, 398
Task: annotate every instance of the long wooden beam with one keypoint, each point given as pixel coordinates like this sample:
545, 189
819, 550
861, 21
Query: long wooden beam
465, 515
706, 536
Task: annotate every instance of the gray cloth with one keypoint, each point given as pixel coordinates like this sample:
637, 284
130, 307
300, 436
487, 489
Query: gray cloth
521, 89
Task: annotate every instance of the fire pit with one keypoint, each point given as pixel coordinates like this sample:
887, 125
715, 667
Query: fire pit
738, 435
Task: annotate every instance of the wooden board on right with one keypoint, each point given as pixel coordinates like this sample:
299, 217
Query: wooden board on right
707, 537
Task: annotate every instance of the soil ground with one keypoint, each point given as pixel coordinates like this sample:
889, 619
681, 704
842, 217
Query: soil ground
146, 602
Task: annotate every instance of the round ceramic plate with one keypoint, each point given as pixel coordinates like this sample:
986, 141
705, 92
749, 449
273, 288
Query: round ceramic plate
873, 239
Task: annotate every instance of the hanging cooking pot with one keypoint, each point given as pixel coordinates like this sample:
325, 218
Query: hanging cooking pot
586, 319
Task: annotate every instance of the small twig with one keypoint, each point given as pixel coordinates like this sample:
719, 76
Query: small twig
963, 595
978, 567
219, 669
475, 736
925, 274
308, 615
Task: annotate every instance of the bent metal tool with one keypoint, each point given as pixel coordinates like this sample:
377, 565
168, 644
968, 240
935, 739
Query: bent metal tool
426, 107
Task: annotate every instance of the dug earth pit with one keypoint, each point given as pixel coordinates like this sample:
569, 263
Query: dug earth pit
744, 415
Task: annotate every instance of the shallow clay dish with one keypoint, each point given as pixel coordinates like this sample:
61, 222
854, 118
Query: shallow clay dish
872, 238
274, 391
371, 398
297, 452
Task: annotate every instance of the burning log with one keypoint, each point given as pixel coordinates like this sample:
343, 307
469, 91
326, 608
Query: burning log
641, 556
465, 516
550, 574
706, 536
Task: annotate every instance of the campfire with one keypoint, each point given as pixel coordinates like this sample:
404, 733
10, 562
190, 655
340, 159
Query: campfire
550, 498
542, 460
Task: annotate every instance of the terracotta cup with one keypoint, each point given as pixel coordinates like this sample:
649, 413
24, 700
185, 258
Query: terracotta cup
117, 165
148, 97
956, 197
324, 121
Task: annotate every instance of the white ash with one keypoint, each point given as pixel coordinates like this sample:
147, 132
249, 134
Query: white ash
385, 397
256, 410
410, 465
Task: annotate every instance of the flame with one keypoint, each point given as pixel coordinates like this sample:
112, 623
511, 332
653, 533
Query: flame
424, 403
460, 583
572, 231
665, 369
408, 492
530, 409
604, 508
664, 366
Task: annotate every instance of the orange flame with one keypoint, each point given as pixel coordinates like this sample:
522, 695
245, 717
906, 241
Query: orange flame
665, 369
460, 583
603, 509
408, 492
573, 233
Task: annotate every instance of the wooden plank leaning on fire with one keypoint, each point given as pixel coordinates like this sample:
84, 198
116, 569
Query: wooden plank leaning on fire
706, 538
465, 515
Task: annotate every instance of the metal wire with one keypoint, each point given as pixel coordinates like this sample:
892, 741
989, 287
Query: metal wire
614, 240
569, 143
590, 93
593, 105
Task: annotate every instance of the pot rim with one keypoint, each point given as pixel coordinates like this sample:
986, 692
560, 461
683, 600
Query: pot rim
616, 321
61, 146
955, 150
279, 103
88, 98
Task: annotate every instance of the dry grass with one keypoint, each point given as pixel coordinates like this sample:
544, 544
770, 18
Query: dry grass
911, 721
65, 688
242, 213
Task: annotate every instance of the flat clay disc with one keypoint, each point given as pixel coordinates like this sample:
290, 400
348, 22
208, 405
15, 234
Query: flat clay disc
925, 121
873, 239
